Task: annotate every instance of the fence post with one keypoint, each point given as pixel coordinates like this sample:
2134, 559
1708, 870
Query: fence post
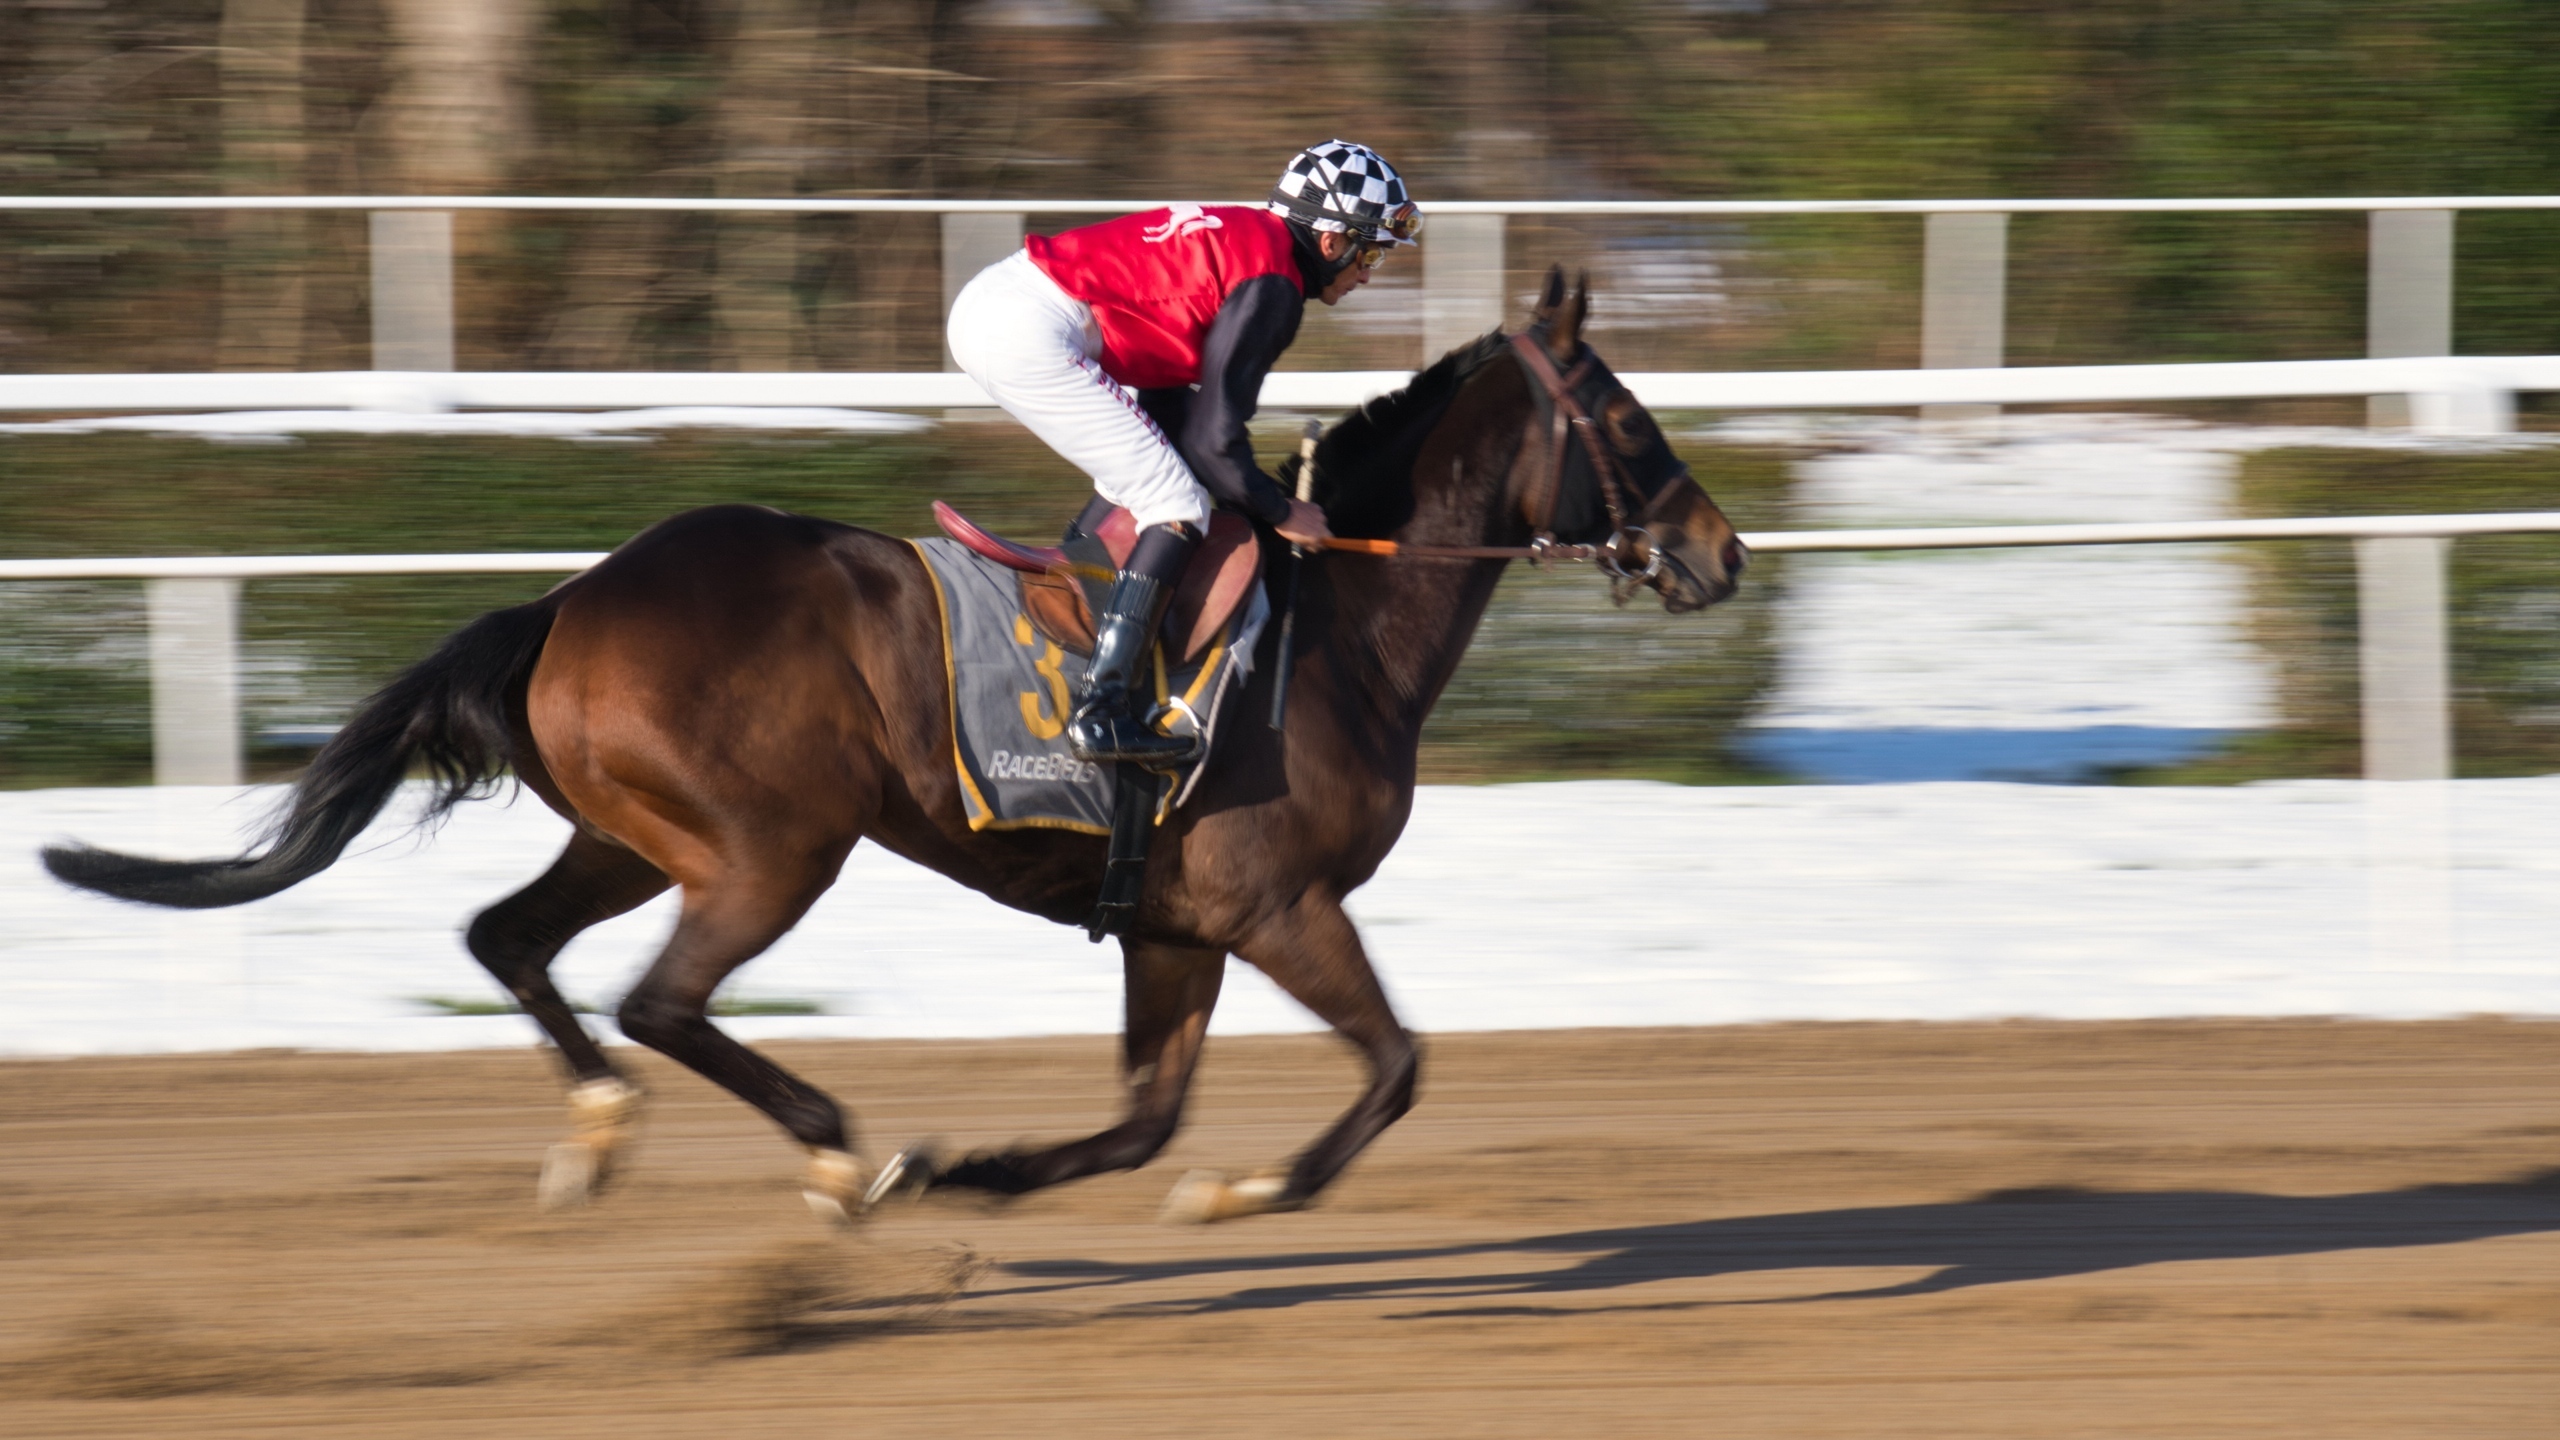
412, 289
2408, 750
2408, 300
971, 243
1462, 281
195, 681
2401, 653
1964, 302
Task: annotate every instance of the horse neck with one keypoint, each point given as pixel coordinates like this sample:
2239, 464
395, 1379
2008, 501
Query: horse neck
1402, 625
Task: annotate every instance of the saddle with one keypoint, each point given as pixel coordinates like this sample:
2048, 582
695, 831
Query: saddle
1061, 586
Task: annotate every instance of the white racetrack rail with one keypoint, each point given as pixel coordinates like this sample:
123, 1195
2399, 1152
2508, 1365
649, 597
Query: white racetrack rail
1967, 537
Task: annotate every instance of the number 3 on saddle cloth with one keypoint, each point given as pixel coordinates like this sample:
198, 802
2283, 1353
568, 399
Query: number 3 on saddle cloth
1018, 628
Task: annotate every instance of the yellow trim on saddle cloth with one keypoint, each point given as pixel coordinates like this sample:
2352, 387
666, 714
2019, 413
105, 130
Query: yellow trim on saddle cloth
1208, 664
1199, 681
984, 818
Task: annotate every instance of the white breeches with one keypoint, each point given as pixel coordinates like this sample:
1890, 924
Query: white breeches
1031, 347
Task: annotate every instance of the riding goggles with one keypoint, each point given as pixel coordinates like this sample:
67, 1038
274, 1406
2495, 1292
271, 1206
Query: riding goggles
1371, 239
1399, 227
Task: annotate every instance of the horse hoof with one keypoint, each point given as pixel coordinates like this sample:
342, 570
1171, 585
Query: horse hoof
604, 1118
907, 1176
835, 1186
1206, 1197
569, 1174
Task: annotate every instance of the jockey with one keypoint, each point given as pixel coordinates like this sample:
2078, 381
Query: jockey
1137, 348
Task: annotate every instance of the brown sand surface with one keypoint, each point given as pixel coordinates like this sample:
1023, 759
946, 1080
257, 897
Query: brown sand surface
2175, 1229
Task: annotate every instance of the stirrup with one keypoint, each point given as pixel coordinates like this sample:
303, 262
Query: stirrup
1105, 735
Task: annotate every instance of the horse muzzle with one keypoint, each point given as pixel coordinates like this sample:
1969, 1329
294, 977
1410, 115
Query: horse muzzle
1691, 576
1693, 558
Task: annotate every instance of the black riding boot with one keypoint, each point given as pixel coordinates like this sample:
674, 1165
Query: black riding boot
1112, 722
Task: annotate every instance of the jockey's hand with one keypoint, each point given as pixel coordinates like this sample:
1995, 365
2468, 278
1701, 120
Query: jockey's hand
1305, 525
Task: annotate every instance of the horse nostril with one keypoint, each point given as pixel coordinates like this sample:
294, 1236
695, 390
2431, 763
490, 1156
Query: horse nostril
1737, 558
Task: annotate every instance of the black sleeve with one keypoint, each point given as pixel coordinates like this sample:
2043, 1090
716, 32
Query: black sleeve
1256, 324
1169, 407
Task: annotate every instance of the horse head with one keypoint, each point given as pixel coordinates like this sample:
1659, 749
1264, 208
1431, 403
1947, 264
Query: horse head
1598, 471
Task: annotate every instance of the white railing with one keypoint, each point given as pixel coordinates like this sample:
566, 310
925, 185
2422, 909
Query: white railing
2448, 394
2400, 566
2409, 288
269, 567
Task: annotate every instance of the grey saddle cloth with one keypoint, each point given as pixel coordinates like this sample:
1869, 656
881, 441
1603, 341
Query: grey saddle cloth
1012, 690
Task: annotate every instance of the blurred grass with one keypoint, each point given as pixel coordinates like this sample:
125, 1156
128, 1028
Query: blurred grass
1560, 684
2504, 611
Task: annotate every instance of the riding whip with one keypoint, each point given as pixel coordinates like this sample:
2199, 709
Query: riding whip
1297, 561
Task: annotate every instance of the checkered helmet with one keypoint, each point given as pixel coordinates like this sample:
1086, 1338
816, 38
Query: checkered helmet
1346, 187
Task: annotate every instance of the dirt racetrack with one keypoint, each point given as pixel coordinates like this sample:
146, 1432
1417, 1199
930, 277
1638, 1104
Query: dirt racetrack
2189, 1229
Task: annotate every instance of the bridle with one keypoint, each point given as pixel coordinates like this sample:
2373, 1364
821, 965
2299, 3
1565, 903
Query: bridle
1631, 556
1568, 417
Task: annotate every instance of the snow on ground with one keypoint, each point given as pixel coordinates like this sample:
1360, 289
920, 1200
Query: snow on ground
2018, 664
1592, 903
2023, 663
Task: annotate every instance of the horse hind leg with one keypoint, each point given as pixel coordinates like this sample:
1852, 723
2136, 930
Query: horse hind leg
516, 940
1314, 953
1170, 992
724, 925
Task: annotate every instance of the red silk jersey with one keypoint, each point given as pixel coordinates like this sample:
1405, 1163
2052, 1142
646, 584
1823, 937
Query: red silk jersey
1155, 280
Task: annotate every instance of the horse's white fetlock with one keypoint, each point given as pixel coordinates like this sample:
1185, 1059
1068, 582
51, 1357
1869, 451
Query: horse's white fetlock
835, 1186
607, 1105
1206, 1197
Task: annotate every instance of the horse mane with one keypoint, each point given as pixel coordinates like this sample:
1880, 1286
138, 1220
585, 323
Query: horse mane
1364, 463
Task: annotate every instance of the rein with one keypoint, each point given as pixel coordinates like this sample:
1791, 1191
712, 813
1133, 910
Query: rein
1541, 550
1570, 419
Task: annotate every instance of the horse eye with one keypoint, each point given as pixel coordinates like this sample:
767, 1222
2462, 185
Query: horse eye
1630, 429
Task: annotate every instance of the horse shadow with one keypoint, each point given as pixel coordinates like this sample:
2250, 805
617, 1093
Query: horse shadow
1998, 1238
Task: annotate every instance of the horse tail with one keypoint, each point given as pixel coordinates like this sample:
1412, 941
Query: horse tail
448, 713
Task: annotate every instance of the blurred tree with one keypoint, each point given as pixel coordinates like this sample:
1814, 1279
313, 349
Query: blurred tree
455, 121
765, 93
1807, 98
456, 113
262, 153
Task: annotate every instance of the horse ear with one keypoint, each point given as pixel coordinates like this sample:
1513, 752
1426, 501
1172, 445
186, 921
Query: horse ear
1550, 298
1564, 320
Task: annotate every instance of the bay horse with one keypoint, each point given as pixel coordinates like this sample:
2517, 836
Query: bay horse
737, 696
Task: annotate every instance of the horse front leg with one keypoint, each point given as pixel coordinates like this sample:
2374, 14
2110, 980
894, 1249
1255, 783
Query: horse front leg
1171, 991
1313, 951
